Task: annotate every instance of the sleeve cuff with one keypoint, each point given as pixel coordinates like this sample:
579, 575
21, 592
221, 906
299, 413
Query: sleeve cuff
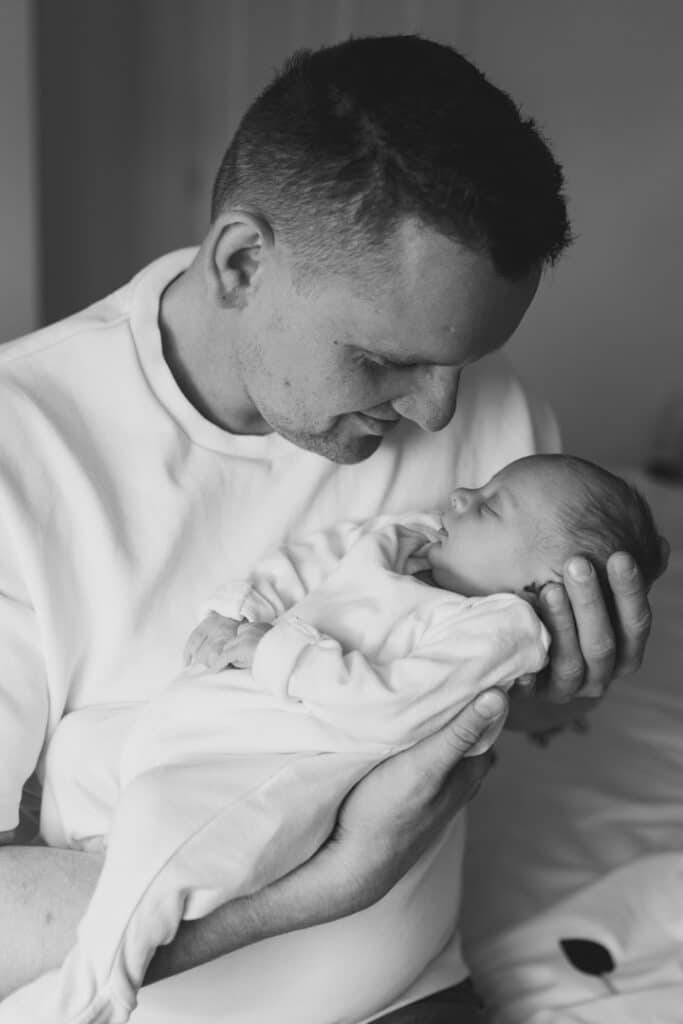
534, 639
278, 652
238, 600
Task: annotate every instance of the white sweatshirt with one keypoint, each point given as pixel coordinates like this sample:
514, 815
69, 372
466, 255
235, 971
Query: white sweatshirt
120, 508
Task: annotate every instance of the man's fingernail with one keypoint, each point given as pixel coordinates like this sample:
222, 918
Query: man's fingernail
490, 704
580, 569
552, 597
624, 564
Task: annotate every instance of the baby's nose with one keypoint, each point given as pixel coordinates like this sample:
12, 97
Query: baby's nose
460, 499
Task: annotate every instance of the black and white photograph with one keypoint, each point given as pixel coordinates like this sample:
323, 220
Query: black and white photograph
341, 512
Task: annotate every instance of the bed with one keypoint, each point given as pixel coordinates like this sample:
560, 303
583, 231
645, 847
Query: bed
574, 869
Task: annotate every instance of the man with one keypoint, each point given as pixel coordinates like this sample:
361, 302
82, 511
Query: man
379, 224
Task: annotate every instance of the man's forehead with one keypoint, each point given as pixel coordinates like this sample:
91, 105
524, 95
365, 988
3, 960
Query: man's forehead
452, 299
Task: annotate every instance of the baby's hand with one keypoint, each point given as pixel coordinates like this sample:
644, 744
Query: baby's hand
240, 651
208, 642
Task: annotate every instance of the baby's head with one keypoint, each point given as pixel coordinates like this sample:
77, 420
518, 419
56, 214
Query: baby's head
516, 532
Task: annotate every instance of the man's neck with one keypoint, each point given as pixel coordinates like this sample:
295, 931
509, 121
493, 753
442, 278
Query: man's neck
200, 359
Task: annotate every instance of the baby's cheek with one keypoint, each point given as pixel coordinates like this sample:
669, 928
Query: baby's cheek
442, 574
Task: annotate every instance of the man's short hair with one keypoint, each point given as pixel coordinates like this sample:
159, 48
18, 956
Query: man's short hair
349, 140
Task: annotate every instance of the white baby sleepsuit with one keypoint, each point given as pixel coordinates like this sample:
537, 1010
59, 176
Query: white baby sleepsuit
231, 779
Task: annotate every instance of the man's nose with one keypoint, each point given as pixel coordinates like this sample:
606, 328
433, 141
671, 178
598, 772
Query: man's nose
431, 404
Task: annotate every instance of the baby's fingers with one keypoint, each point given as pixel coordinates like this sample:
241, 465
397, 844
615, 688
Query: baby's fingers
217, 653
195, 642
239, 653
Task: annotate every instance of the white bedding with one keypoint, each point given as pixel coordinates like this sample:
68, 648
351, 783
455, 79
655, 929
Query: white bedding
584, 839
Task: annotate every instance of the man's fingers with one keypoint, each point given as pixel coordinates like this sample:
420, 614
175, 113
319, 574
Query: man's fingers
633, 615
436, 757
594, 628
566, 670
588, 650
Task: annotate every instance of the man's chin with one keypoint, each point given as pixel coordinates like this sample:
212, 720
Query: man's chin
344, 451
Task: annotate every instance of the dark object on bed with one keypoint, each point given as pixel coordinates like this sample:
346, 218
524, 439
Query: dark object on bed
589, 957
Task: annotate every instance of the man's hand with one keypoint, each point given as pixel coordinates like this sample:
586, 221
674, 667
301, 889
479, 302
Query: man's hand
207, 642
588, 651
398, 809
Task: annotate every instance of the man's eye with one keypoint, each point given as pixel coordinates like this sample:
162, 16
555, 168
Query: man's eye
489, 511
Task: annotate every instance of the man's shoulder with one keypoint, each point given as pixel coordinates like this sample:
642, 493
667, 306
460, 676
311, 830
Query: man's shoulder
101, 315
47, 376
46, 352
104, 315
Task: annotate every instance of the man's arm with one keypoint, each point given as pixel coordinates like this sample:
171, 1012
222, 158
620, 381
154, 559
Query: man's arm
384, 825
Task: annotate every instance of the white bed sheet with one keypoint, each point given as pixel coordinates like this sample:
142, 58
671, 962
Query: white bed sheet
559, 836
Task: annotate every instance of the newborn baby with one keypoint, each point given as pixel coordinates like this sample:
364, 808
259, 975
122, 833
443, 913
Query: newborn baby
360, 641
514, 534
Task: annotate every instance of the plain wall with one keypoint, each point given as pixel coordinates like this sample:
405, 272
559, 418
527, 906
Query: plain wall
138, 101
18, 192
603, 339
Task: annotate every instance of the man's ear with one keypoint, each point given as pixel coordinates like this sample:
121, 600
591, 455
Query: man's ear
239, 250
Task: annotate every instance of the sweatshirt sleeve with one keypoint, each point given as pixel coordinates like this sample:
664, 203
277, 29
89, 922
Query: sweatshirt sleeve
23, 698
465, 647
283, 578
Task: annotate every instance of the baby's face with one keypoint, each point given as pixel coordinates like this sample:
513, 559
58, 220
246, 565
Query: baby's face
505, 535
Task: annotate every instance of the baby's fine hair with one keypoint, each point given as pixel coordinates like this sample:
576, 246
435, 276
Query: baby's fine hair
610, 515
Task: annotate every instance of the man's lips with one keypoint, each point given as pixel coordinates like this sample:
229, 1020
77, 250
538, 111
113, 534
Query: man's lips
391, 416
377, 424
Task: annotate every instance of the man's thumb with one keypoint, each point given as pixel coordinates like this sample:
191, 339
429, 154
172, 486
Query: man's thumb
476, 727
